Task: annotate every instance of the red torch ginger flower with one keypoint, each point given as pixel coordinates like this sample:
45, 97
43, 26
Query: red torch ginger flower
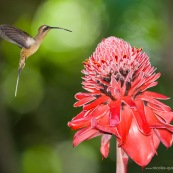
117, 102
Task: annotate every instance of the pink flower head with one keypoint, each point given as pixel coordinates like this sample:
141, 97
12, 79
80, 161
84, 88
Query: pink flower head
117, 102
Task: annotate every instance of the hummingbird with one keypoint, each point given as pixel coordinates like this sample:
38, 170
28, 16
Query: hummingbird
29, 45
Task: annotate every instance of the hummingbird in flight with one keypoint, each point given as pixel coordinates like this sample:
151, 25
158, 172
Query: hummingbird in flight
28, 44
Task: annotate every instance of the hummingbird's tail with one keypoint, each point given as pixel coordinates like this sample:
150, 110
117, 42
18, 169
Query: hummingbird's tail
17, 82
21, 66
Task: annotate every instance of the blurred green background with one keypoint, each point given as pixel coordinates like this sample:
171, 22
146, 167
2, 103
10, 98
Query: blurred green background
34, 136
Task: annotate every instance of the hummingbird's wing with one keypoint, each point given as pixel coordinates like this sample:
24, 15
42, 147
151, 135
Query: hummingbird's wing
16, 36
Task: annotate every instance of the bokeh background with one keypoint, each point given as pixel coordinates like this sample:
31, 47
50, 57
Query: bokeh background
34, 136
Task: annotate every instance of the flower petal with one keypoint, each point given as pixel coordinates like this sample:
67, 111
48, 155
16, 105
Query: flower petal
114, 113
156, 102
142, 123
115, 85
167, 116
82, 95
137, 83
96, 102
75, 123
84, 101
148, 85
155, 107
85, 134
103, 126
155, 121
124, 126
152, 78
129, 102
139, 147
165, 136
155, 95
105, 144
85, 117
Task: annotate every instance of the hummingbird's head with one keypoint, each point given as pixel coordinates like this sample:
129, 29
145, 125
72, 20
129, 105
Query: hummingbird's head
43, 29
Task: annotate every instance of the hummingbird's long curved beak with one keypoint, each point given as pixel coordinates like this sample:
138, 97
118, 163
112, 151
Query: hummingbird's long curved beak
52, 27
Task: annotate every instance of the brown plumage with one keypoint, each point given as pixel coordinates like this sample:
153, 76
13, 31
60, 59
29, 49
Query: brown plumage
27, 44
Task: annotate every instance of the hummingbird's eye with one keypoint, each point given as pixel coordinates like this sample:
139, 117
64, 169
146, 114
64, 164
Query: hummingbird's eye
46, 28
